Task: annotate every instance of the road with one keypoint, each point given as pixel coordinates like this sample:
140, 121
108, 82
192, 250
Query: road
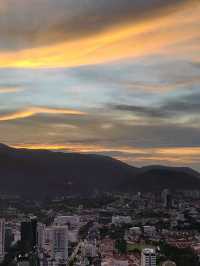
74, 254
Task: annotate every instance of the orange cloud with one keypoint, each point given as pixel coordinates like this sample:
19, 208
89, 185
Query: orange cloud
169, 155
83, 148
32, 111
170, 34
5, 90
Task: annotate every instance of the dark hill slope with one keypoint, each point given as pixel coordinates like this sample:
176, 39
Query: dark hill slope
154, 179
37, 173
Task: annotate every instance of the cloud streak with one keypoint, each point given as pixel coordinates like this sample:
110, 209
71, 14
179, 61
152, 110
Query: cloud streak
160, 34
36, 23
170, 155
127, 71
182, 106
29, 112
6, 90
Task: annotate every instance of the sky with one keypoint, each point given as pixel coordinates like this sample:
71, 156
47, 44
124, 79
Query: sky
113, 77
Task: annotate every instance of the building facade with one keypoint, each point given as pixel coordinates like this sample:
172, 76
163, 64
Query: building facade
148, 257
60, 243
2, 239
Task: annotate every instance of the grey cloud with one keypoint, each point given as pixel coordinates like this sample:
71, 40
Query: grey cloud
32, 23
88, 133
188, 103
142, 110
196, 64
180, 106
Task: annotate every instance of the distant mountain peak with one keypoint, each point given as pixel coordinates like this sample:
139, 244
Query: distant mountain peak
37, 173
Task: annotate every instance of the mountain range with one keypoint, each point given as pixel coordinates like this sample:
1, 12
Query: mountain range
41, 173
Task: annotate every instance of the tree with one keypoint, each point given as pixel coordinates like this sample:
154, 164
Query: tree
121, 246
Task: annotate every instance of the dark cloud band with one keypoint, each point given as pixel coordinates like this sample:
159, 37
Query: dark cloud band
34, 23
183, 105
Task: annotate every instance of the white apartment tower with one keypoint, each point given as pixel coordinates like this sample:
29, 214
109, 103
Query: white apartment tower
60, 243
40, 236
148, 257
2, 239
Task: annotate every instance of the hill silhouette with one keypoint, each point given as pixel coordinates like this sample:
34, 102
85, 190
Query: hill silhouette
41, 173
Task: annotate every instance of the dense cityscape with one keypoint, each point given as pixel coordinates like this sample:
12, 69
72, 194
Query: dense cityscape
138, 229
99, 132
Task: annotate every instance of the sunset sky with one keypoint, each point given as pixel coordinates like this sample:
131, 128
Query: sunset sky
113, 77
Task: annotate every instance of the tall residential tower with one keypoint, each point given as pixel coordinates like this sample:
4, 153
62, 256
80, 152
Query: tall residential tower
148, 257
2, 239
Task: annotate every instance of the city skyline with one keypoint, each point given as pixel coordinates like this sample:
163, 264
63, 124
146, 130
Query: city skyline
117, 77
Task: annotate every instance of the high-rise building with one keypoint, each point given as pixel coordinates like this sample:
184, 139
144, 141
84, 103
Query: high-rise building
166, 198
48, 241
60, 243
40, 235
148, 257
33, 221
29, 234
2, 238
9, 237
26, 235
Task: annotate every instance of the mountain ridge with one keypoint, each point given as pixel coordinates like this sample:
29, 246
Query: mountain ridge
39, 173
